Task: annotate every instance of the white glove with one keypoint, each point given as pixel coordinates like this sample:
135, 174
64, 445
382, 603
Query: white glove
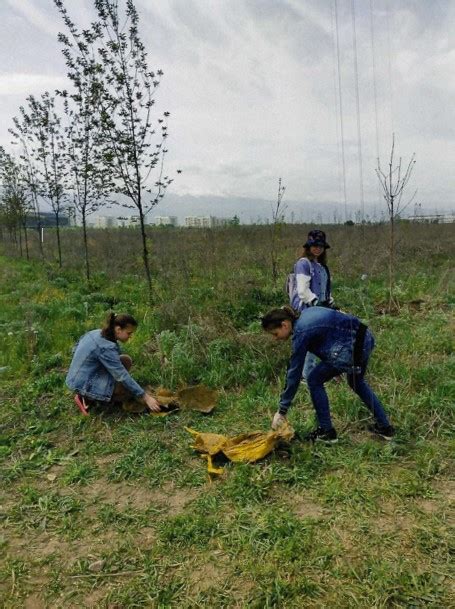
278, 420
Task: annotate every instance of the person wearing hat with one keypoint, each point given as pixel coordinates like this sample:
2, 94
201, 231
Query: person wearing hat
309, 283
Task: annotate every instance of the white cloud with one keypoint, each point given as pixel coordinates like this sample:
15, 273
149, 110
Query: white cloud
29, 9
26, 84
251, 89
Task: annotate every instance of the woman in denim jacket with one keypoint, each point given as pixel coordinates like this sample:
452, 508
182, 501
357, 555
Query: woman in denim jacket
309, 284
344, 345
99, 372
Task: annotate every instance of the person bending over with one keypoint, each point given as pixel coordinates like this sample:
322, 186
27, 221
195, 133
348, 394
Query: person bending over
99, 372
344, 345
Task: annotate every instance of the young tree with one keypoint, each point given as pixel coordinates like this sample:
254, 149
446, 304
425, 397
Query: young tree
88, 175
40, 126
393, 182
277, 219
14, 200
29, 174
135, 146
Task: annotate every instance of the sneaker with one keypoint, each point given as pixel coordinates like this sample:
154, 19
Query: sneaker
385, 431
81, 404
329, 436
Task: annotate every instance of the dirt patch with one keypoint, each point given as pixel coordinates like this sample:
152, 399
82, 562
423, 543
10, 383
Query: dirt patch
43, 545
145, 539
305, 508
206, 576
348, 542
94, 598
447, 489
392, 520
34, 602
428, 506
174, 499
124, 495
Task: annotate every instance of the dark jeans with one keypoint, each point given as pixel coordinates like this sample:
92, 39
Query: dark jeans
120, 393
356, 380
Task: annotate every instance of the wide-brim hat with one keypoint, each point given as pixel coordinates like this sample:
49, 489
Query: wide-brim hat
316, 237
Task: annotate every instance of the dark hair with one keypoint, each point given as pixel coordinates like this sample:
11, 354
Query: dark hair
112, 320
274, 318
306, 253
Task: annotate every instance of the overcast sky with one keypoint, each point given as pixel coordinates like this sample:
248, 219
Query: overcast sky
252, 88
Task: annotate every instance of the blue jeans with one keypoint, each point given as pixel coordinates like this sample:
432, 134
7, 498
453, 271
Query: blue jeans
311, 361
356, 380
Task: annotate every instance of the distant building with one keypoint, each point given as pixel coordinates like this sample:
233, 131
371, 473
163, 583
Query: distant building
166, 220
104, 222
127, 221
434, 218
204, 221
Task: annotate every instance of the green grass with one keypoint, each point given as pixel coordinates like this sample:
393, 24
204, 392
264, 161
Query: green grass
117, 511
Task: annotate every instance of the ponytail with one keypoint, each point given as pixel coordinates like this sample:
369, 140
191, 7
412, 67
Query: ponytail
274, 318
122, 320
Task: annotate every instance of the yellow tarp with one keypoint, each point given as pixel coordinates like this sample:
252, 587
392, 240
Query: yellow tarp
244, 448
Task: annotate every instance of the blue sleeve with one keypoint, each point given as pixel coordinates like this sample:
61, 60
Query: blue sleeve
110, 359
302, 267
294, 372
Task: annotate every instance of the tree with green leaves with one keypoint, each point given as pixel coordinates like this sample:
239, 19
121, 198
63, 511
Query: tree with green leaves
88, 174
14, 201
135, 140
41, 127
30, 177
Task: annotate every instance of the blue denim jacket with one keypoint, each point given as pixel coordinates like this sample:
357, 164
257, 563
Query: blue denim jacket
96, 366
330, 335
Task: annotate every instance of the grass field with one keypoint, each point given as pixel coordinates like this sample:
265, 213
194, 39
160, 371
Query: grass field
117, 511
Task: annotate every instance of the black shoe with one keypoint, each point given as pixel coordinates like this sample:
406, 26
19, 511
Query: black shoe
322, 435
385, 431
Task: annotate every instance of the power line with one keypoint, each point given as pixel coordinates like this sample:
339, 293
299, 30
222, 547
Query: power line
340, 100
375, 96
389, 53
357, 96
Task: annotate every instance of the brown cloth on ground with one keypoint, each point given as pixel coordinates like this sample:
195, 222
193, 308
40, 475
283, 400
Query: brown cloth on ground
197, 397
245, 448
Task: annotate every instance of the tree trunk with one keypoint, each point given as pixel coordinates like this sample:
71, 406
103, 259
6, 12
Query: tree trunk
59, 247
392, 262
84, 229
26, 240
145, 256
39, 227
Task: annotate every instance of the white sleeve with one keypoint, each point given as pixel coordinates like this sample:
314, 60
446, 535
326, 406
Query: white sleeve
303, 288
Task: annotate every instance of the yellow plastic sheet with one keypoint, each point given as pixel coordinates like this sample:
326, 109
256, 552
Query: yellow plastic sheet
244, 448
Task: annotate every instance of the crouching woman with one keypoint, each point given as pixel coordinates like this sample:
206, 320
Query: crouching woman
99, 372
344, 345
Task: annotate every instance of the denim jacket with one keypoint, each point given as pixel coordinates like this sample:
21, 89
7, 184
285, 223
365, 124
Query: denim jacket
327, 333
96, 366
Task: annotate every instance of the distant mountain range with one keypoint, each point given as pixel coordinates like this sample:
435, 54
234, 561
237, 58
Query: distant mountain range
259, 211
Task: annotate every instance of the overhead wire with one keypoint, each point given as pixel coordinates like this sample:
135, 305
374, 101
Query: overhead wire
375, 95
389, 55
340, 102
357, 97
